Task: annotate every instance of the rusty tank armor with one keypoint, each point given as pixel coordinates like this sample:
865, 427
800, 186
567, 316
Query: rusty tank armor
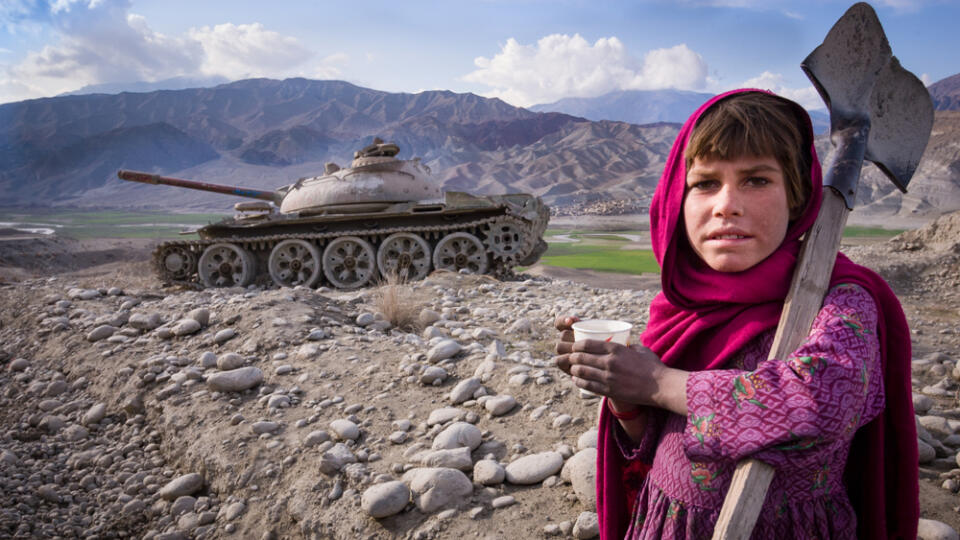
380, 217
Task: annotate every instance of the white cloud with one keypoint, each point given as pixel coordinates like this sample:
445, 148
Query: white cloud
99, 41
246, 50
560, 66
774, 82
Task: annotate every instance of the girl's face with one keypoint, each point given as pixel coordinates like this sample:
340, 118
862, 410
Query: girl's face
735, 211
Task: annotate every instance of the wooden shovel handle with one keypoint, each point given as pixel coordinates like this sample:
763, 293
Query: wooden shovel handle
748, 487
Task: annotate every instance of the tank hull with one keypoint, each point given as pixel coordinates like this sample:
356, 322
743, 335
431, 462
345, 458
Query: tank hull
461, 232
380, 218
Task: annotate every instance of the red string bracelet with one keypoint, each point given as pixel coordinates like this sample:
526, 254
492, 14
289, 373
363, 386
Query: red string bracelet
629, 415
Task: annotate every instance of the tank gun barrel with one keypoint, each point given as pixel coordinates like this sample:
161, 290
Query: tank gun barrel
147, 178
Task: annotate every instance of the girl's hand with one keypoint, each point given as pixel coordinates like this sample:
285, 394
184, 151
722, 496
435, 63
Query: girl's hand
627, 375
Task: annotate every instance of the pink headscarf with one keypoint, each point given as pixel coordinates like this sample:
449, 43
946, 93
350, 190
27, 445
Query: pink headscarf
703, 317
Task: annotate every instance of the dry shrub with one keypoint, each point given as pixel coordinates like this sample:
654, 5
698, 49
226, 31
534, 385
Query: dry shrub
399, 302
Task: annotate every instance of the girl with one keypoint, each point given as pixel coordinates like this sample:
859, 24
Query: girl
835, 419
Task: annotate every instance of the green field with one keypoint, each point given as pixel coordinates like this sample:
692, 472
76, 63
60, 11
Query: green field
870, 232
109, 224
607, 251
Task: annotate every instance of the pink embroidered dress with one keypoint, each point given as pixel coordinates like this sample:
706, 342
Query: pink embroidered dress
799, 414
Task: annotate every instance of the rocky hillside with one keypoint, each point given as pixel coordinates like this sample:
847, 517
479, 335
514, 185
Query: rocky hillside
946, 93
264, 134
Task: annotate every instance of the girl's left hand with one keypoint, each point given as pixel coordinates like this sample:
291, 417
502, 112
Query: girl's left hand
625, 374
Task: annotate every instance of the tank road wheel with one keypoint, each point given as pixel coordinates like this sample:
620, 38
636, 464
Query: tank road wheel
349, 262
177, 263
294, 262
505, 240
405, 255
226, 265
458, 251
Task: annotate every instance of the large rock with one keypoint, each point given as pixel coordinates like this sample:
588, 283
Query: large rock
534, 468
581, 471
443, 350
929, 529
436, 488
454, 458
228, 361
936, 425
588, 439
444, 415
385, 499
101, 332
587, 526
145, 321
500, 405
488, 472
185, 327
457, 435
235, 380
94, 414
464, 390
187, 484
345, 429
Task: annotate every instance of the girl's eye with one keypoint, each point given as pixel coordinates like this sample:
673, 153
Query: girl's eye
757, 181
704, 184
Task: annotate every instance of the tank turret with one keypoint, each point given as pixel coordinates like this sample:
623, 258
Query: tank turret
378, 217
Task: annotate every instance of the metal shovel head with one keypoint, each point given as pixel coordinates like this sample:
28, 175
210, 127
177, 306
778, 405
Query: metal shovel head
845, 66
901, 118
863, 84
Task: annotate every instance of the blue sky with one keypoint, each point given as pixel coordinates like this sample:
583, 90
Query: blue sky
523, 51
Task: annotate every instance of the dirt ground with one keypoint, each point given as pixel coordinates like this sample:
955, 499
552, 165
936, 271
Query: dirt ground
922, 269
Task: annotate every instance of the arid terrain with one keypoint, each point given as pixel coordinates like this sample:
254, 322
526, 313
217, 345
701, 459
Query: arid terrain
132, 410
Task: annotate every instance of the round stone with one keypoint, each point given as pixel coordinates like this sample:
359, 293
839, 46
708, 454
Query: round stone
345, 429
386, 499
187, 484
534, 468
235, 380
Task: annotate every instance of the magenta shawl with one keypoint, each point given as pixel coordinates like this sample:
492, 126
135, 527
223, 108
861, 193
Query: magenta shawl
703, 317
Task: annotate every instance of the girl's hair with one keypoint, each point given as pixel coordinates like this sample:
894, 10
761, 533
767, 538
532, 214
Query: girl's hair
756, 124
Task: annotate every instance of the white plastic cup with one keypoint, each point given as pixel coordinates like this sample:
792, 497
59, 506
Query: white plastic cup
602, 330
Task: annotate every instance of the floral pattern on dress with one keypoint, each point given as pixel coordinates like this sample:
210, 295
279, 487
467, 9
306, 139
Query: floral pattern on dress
821, 478
702, 476
852, 320
702, 427
807, 365
745, 387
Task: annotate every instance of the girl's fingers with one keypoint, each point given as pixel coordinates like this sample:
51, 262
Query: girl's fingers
589, 373
592, 386
563, 362
564, 347
566, 335
598, 361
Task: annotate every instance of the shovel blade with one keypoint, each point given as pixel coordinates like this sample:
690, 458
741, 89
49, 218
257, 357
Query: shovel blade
864, 87
901, 118
845, 66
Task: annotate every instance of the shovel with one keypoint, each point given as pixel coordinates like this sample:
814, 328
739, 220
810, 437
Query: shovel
879, 112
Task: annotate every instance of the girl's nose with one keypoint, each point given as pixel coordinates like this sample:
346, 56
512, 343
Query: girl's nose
727, 203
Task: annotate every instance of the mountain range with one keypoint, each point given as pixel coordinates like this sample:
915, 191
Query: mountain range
263, 133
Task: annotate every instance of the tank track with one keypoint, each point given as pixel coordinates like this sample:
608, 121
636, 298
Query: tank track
261, 246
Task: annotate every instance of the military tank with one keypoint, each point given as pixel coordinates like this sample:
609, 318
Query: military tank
379, 217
